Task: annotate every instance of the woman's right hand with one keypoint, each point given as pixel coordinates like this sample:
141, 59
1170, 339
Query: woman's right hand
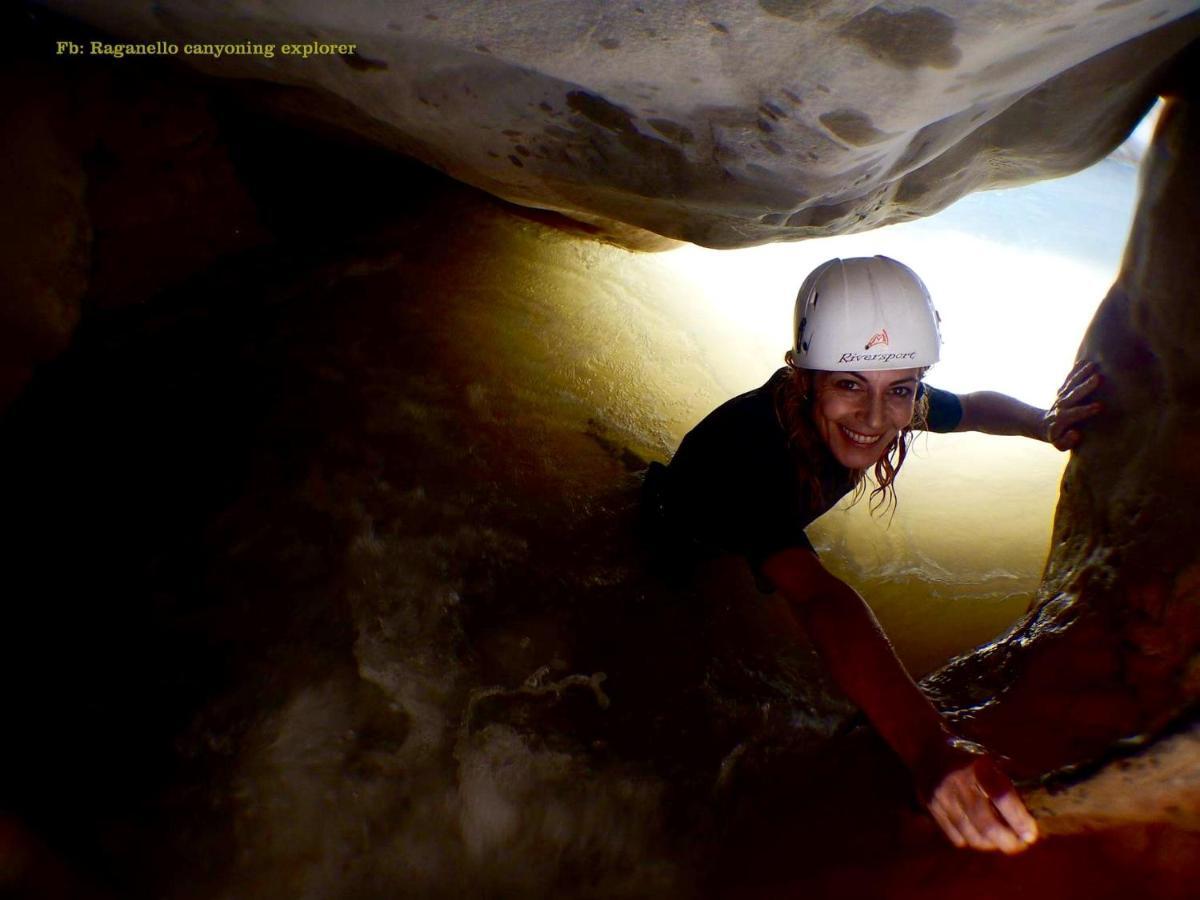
972, 801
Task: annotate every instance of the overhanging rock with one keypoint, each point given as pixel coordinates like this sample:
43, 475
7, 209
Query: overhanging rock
722, 125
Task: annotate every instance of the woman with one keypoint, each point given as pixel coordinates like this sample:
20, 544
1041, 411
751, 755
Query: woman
761, 467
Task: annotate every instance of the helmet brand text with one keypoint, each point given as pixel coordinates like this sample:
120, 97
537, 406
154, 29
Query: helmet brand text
876, 357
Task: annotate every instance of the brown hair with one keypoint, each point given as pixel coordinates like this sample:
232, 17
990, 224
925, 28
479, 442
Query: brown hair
793, 407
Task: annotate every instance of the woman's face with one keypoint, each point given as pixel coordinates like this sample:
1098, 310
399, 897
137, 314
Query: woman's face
859, 413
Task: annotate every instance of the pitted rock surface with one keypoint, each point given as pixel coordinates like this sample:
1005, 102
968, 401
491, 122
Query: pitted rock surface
725, 125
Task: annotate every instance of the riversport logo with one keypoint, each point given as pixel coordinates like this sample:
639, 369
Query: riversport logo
879, 337
876, 357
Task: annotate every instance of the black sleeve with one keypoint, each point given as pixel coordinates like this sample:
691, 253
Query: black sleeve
945, 409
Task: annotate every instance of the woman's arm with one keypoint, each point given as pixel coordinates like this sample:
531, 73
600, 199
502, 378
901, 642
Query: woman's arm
972, 801
994, 413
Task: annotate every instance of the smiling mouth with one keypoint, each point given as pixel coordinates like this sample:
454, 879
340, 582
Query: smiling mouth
860, 440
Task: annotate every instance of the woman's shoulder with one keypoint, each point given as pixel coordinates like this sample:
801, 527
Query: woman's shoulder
749, 414
743, 426
757, 405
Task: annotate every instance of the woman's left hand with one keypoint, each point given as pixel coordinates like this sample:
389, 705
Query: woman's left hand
1073, 406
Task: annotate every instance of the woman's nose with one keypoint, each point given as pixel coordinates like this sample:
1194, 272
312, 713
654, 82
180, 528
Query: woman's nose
876, 413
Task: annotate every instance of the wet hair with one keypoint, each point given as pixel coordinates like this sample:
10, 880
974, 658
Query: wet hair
793, 407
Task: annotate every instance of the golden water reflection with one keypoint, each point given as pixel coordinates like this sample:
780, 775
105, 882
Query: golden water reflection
962, 556
617, 343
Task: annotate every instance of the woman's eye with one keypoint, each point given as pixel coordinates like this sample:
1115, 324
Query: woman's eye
848, 385
902, 391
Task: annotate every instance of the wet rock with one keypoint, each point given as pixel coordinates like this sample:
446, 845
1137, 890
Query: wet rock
164, 198
1151, 784
45, 232
1110, 649
117, 186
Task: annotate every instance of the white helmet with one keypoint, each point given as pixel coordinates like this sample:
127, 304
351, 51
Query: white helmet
864, 313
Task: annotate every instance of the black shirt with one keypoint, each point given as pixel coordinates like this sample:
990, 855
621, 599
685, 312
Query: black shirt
734, 485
